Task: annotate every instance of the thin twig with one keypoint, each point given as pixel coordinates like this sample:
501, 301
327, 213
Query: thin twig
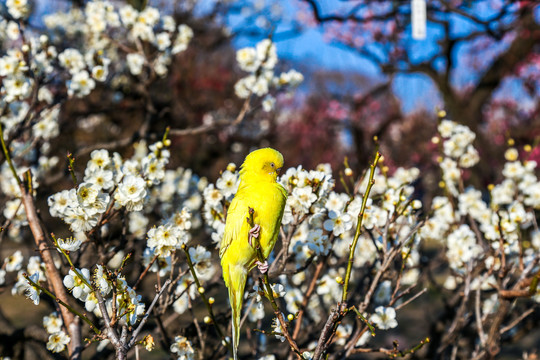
516, 321
359, 228
405, 303
145, 317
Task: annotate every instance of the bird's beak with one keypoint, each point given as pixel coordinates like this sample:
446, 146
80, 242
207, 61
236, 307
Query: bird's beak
278, 170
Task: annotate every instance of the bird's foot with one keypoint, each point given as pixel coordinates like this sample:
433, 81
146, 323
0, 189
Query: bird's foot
254, 232
263, 266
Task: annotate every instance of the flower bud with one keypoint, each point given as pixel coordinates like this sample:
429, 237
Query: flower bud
149, 343
511, 154
231, 167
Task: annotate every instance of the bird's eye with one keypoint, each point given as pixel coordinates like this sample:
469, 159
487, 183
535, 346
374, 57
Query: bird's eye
273, 165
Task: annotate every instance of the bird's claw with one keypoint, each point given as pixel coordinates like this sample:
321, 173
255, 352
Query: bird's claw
263, 266
254, 232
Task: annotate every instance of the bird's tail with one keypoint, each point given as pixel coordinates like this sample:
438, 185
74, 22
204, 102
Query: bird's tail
236, 284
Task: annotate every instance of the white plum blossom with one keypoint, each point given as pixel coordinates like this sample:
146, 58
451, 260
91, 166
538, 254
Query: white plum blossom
14, 261
128, 15
58, 342
81, 84
135, 63
163, 41
462, 246
76, 282
228, 183
184, 36
202, 262
47, 127
182, 347
269, 103
53, 323
247, 59
101, 280
100, 72
131, 193
338, 223
99, 160
69, 244
166, 238
72, 60
18, 8
32, 292
384, 318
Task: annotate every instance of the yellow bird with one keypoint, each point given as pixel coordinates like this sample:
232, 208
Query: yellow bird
260, 191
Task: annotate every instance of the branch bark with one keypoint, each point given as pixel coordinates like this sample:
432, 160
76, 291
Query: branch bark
53, 276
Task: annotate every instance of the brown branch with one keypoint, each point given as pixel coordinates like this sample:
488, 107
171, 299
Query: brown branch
351, 16
53, 275
145, 317
214, 125
516, 321
322, 344
414, 297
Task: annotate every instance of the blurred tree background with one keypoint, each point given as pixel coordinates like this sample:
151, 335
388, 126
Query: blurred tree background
365, 77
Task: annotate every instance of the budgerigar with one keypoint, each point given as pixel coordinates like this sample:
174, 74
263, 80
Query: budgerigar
260, 191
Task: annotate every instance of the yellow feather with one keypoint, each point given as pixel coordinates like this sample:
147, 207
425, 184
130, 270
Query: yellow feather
259, 190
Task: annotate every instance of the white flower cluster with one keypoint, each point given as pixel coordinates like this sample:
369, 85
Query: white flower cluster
128, 303
18, 8
260, 62
308, 194
473, 229
166, 238
217, 198
458, 150
18, 83
184, 294
109, 181
58, 339
35, 269
90, 64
